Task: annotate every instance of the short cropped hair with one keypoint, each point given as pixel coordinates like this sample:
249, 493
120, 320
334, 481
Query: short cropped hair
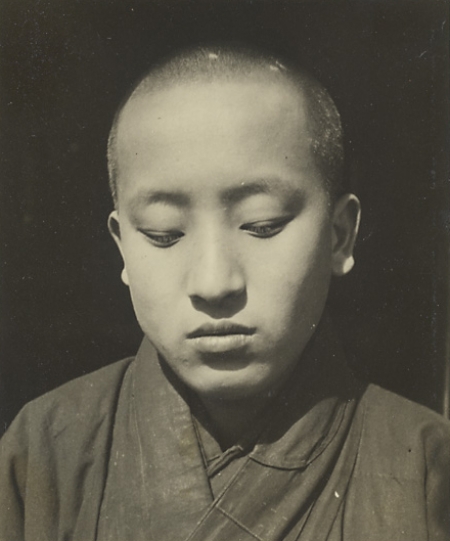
230, 62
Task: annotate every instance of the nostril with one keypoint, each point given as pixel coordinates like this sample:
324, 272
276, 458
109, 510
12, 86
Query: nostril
215, 285
220, 307
215, 274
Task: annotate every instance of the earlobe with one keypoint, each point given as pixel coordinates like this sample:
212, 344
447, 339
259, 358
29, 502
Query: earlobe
114, 229
346, 217
124, 276
348, 265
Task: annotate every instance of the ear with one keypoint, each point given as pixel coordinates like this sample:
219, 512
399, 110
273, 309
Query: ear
114, 229
346, 216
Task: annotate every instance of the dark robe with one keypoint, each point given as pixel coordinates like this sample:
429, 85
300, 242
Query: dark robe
117, 456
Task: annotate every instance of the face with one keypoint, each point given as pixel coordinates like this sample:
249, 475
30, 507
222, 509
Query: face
227, 234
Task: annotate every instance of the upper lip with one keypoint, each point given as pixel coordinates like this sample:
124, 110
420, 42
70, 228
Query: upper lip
220, 329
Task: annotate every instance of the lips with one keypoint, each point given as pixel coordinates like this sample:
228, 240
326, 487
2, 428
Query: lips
220, 329
221, 337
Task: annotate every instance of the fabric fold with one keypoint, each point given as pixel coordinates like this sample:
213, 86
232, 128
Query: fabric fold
159, 489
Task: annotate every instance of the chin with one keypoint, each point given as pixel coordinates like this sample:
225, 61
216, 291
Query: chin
232, 386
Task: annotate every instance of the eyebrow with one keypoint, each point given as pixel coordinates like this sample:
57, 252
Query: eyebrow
274, 185
230, 196
148, 197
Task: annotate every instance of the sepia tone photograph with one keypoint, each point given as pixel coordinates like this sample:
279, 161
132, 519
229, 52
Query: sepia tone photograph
225, 269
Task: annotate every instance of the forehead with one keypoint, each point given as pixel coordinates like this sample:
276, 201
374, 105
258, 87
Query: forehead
195, 103
227, 130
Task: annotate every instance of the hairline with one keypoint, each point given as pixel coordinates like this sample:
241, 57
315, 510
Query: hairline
157, 79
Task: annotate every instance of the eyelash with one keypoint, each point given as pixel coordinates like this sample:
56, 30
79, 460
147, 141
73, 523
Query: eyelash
266, 230
163, 239
262, 230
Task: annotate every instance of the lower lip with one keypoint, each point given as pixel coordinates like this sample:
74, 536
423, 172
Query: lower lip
221, 343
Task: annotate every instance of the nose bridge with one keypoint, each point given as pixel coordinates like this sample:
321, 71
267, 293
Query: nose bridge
215, 269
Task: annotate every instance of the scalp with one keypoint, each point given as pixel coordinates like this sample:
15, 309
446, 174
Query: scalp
218, 63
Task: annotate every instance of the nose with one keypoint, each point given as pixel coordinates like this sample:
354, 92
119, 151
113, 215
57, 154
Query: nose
216, 277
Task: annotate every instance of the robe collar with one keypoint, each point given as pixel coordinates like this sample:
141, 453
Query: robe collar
299, 423
157, 486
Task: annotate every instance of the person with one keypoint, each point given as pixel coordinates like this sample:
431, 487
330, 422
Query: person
239, 418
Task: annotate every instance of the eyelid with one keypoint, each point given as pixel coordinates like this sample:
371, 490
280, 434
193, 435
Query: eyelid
162, 239
276, 225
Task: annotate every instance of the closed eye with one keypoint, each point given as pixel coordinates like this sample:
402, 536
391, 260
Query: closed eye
162, 239
267, 228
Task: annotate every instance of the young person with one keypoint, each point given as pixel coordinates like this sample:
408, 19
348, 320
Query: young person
239, 418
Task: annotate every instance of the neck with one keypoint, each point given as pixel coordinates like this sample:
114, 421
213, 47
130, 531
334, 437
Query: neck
231, 419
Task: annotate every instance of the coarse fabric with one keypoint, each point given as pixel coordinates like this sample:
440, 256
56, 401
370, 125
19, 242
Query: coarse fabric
117, 456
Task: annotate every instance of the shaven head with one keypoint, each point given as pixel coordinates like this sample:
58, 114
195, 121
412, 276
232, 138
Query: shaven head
211, 64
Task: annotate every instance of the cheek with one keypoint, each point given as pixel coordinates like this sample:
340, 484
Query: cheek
302, 255
294, 276
152, 280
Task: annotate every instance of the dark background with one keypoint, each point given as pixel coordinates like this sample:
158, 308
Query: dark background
65, 65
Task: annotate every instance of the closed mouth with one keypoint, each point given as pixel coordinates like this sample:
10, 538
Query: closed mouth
221, 329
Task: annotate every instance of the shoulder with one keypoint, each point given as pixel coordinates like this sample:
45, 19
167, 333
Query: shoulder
401, 435
75, 404
402, 468
57, 443
400, 415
